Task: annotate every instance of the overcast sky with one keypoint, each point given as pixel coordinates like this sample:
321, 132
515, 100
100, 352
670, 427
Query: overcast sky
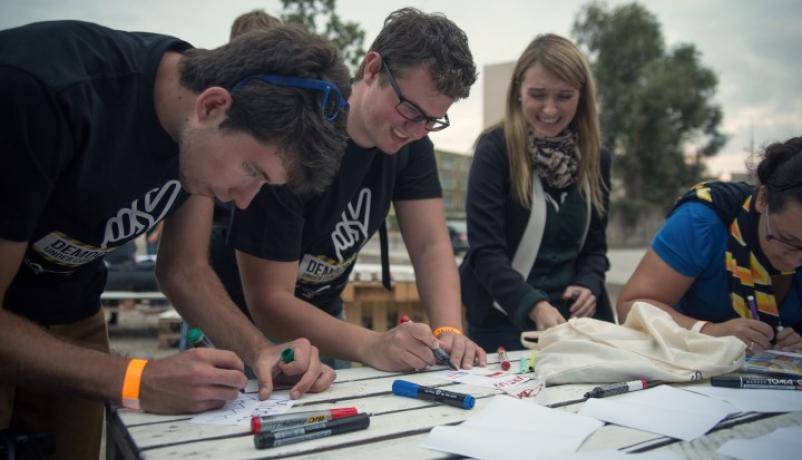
753, 46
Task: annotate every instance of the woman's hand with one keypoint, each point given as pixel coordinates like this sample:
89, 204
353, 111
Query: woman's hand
755, 334
544, 315
584, 301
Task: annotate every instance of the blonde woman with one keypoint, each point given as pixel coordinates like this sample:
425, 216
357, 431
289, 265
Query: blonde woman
537, 202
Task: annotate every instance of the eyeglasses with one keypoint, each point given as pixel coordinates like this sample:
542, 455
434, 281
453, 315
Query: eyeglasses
412, 112
769, 236
332, 101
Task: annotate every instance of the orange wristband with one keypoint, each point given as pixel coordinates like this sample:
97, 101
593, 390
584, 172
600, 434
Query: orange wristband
131, 383
437, 332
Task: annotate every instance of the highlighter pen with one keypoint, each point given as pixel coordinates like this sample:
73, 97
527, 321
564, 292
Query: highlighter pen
532, 357
758, 381
413, 390
314, 431
502, 356
273, 422
618, 388
524, 363
439, 354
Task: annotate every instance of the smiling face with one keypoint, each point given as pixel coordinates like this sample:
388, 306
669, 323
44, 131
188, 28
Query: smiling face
374, 120
548, 103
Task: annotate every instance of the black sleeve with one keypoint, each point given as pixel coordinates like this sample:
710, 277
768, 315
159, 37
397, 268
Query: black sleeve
417, 177
272, 226
592, 261
488, 193
34, 145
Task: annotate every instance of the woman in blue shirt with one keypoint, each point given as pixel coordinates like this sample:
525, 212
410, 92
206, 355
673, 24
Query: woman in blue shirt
727, 261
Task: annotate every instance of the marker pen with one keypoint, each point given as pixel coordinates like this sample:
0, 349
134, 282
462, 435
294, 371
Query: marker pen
288, 355
758, 381
197, 339
313, 431
532, 357
439, 354
618, 388
524, 363
502, 357
753, 307
413, 390
274, 422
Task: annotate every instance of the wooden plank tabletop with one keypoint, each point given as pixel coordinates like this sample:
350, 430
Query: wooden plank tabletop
398, 425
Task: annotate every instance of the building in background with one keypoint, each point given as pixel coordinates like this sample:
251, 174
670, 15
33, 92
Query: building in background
453, 169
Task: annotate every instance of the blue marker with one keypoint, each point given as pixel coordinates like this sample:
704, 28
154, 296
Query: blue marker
413, 390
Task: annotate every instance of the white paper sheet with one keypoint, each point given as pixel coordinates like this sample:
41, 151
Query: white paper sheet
781, 444
508, 428
662, 410
521, 386
239, 411
618, 455
748, 400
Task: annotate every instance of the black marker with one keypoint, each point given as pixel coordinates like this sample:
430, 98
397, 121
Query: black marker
758, 381
311, 431
618, 388
413, 390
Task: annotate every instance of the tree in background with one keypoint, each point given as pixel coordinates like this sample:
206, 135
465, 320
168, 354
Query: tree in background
656, 104
319, 17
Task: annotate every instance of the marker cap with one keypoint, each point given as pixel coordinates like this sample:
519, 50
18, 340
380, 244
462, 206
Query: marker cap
404, 388
343, 412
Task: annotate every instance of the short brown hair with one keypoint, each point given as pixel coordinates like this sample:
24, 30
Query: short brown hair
410, 38
289, 118
253, 20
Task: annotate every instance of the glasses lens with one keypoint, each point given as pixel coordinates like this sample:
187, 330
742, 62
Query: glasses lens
437, 125
409, 112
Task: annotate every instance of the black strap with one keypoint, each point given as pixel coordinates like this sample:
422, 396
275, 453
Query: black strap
385, 255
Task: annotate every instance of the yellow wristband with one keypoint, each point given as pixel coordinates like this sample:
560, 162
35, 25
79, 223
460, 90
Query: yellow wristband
439, 331
131, 383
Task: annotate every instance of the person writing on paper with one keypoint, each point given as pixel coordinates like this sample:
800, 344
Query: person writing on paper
725, 246
294, 271
537, 203
105, 133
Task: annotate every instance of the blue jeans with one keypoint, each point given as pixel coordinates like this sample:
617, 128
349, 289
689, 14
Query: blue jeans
489, 338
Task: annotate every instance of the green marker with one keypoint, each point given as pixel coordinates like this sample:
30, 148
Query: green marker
288, 355
197, 339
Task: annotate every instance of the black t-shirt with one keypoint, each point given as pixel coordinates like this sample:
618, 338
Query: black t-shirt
87, 165
325, 232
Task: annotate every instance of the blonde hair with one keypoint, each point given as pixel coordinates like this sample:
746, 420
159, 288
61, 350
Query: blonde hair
562, 58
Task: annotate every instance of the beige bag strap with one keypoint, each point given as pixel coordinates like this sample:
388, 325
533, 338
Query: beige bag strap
527, 250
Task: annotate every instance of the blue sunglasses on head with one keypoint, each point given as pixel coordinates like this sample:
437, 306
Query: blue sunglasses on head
332, 101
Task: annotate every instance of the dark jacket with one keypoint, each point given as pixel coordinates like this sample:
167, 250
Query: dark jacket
496, 223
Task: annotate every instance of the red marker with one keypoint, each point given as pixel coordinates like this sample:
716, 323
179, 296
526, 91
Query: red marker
274, 422
502, 356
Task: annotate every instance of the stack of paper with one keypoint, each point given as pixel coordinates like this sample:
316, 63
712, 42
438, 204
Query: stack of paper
662, 410
749, 400
511, 428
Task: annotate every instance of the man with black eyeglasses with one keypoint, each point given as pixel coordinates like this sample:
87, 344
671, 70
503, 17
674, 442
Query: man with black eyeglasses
295, 252
106, 133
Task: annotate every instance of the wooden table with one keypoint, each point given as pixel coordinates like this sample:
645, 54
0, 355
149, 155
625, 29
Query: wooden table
398, 425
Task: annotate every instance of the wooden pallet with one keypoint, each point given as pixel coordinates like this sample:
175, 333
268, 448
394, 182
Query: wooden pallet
169, 328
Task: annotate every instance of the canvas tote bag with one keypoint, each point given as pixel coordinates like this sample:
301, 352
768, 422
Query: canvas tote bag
649, 345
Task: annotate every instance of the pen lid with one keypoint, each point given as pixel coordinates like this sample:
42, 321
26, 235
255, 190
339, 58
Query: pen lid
405, 388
